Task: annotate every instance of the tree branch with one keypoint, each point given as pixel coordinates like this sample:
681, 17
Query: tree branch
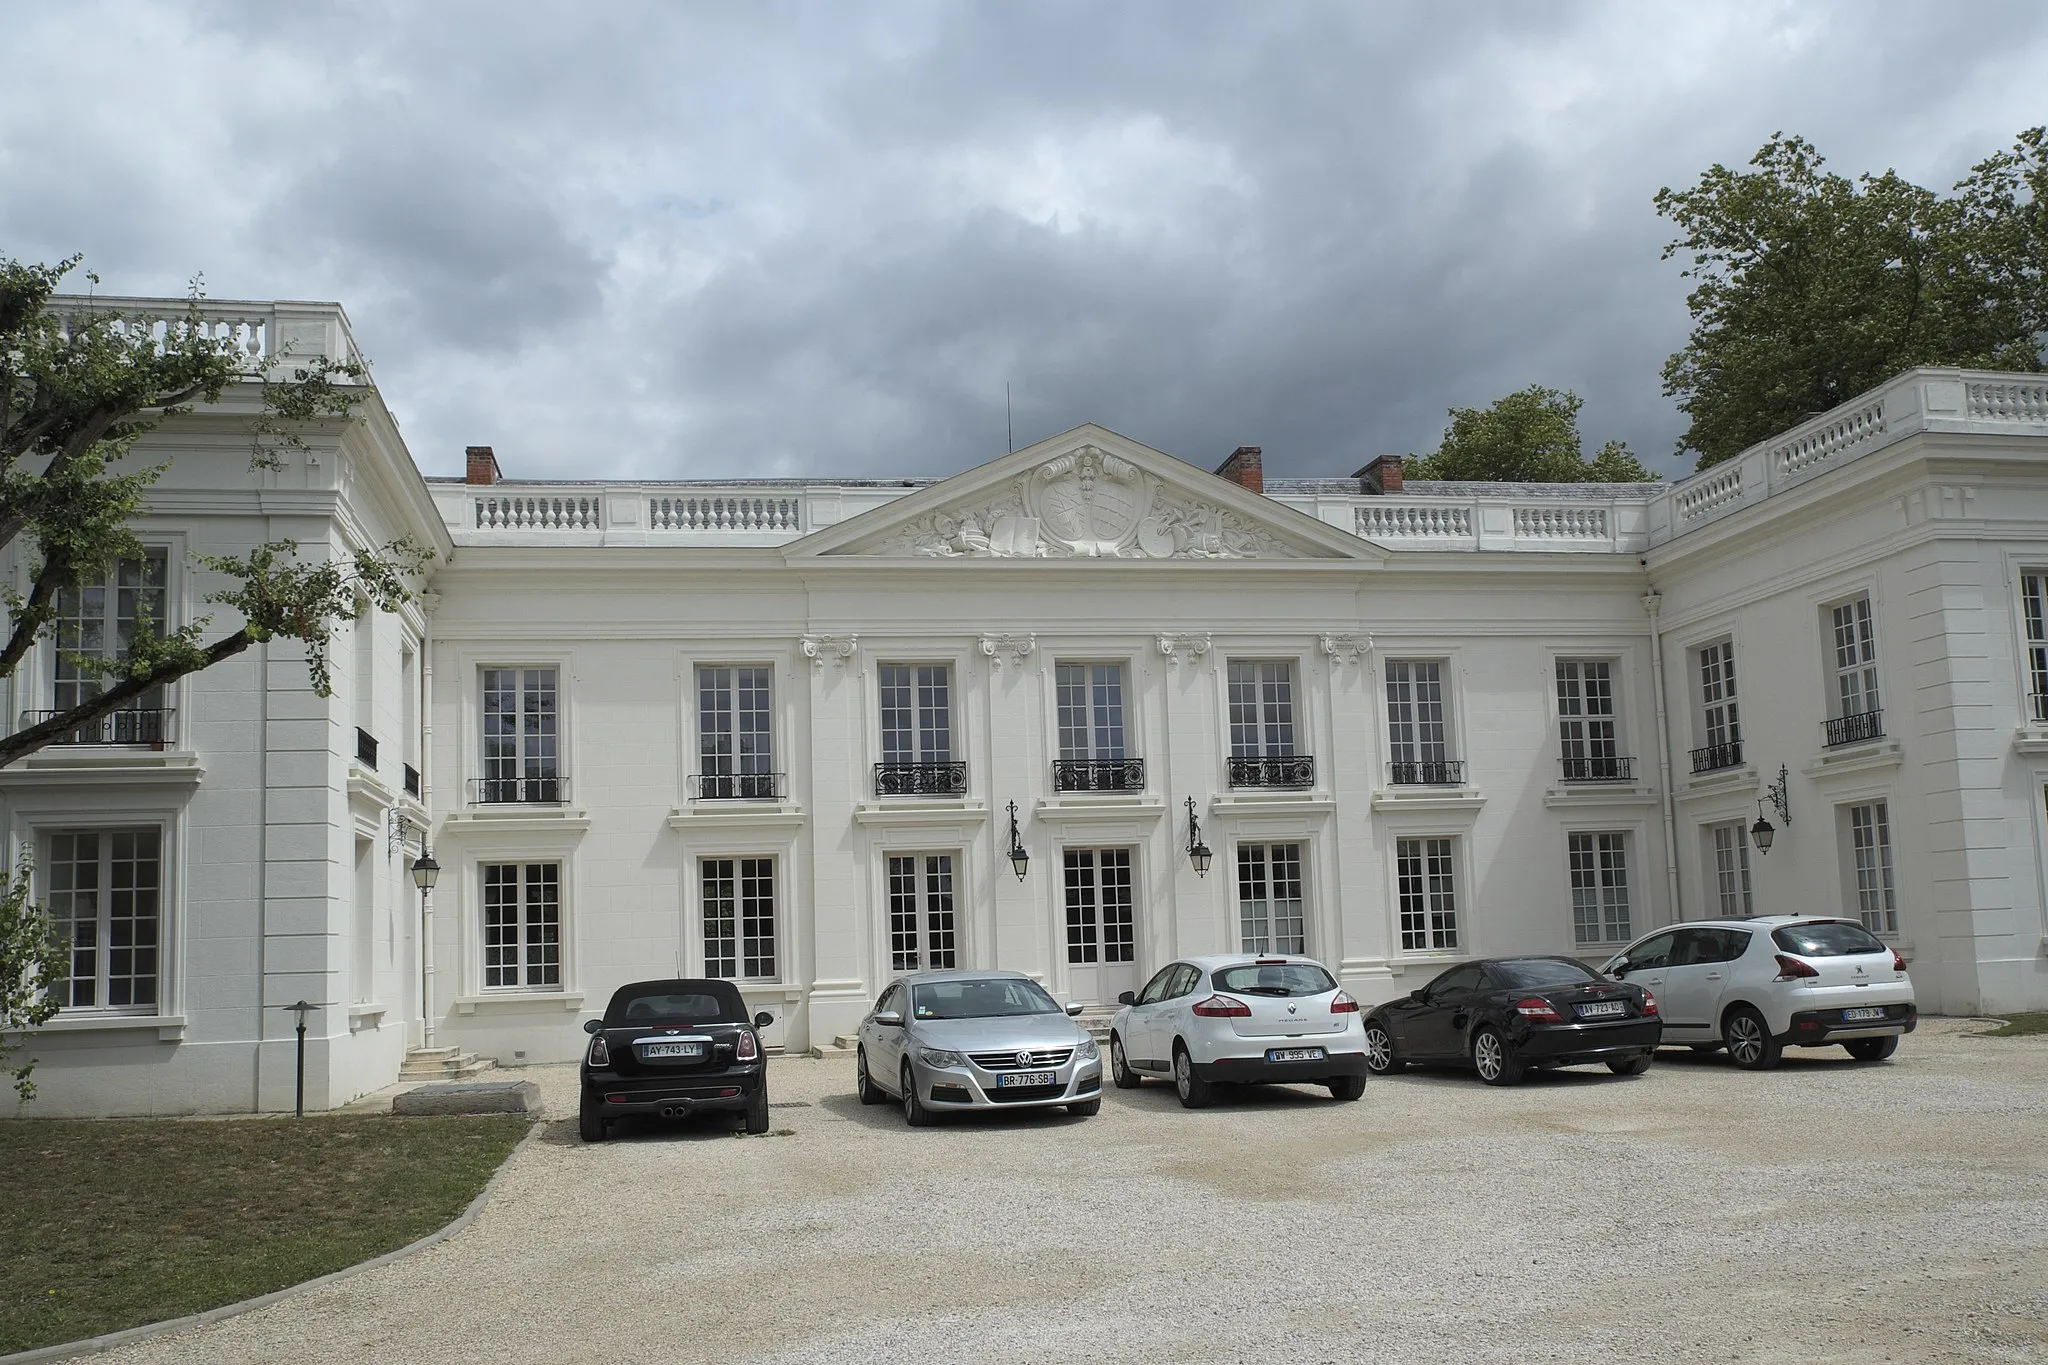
26, 742
30, 619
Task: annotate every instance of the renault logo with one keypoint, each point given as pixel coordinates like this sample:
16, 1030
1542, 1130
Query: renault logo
1293, 1009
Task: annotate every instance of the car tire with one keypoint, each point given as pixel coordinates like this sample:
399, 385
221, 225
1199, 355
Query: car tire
757, 1112
1493, 1057
1379, 1049
1346, 1087
591, 1126
1086, 1109
914, 1112
1872, 1049
1749, 1041
864, 1087
1631, 1066
1195, 1093
1120, 1073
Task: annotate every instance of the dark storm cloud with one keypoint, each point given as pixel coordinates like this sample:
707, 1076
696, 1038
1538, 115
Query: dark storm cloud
657, 240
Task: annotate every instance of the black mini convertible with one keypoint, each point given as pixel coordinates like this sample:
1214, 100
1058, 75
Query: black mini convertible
670, 1048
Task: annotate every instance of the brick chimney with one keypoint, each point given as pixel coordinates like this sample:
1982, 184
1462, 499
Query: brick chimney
1381, 476
483, 465
1244, 467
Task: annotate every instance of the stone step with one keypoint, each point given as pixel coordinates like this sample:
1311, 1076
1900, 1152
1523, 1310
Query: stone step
443, 1064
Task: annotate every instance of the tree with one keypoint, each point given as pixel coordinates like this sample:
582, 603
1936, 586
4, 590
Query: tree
31, 971
1527, 437
1813, 288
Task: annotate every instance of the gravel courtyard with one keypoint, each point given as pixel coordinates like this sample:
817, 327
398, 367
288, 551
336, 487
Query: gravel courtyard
1823, 1212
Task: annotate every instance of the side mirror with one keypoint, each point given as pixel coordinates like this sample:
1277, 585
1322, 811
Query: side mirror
763, 1019
1073, 1008
1419, 994
1618, 967
593, 1025
889, 1019
1127, 998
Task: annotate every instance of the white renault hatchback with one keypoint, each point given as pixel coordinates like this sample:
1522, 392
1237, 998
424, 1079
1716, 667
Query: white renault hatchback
1239, 1019
1758, 986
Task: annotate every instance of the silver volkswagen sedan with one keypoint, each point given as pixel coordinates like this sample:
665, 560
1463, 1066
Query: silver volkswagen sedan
975, 1040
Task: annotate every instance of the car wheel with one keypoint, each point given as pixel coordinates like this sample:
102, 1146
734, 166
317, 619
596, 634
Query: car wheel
1631, 1066
914, 1112
1120, 1073
1195, 1093
1872, 1049
1086, 1109
1346, 1087
1379, 1050
1494, 1058
1749, 1041
864, 1086
591, 1126
757, 1111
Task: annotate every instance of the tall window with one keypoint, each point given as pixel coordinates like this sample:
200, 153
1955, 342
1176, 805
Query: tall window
1269, 909
1416, 735
97, 618
1870, 847
1599, 870
1719, 723
1728, 845
521, 743
735, 725
1424, 870
2034, 603
917, 713
1261, 709
1855, 659
921, 935
1099, 919
523, 925
739, 918
104, 890
1585, 719
1091, 702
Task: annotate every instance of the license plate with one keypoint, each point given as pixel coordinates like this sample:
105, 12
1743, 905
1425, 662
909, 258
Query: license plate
653, 1050
1865, 1012
1603, 1009
1294, 1054
1010, 1080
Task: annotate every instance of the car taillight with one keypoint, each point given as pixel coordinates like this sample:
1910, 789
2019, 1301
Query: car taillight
749, 1049
600, 1055
1342, 1003
1898, 963
1538, 1009
1649, 1003
1223, 1007
1792, 969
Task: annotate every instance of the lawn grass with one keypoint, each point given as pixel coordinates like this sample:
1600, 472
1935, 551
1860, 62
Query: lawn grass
108, 1224
2017, 1024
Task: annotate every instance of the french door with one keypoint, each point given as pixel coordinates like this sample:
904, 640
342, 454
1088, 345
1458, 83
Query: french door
1102, 941
922, 936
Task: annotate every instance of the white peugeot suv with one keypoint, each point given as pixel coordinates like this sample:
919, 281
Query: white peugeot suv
1239, 1019
1758, 986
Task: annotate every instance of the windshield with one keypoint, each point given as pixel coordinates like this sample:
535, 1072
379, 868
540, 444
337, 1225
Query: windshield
1531, 972
1285, 979
993, 998
1828, 938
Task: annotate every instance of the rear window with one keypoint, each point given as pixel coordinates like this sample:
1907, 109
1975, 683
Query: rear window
676, 1005
1532, 972
1829, 938
1285, 979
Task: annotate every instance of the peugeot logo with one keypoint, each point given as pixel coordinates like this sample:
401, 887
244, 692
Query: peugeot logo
1023, 1059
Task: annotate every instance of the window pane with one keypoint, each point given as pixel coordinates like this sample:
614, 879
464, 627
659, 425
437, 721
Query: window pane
721, 928
1254, 910
1084, 943
757, 918
939, 948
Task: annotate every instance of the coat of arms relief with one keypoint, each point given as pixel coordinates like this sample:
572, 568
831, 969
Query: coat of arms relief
1088, 505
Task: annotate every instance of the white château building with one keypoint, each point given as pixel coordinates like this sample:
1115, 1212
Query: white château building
786, 731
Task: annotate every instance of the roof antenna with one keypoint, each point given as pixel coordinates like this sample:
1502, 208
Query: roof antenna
1008, 428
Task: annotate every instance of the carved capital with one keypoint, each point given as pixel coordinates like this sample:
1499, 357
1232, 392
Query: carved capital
1184, 649
1008, 648
818, 648
1347, 649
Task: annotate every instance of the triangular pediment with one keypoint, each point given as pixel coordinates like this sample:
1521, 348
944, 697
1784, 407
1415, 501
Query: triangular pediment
1085, 494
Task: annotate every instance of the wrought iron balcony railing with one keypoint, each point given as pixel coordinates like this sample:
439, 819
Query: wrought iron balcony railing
1442, 772
366, 748
1098, 775
921, 779
1709, 757
525, 791
412, 781
738, 786
1601, 769
152, 726
1854, 729
1290, 771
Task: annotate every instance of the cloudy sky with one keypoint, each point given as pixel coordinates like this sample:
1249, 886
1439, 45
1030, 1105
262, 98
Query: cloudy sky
708, 240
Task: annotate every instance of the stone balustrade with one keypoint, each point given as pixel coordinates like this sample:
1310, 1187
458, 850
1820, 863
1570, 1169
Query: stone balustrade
725, 512
262, 333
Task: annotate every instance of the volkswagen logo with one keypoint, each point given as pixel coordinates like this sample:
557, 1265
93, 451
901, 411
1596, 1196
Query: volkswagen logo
1023, 1059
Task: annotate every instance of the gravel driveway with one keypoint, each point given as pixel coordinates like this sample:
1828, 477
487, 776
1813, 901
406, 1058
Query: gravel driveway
1826, 1211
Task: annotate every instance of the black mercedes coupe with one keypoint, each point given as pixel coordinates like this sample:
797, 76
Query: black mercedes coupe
670, 1048
1506, 1015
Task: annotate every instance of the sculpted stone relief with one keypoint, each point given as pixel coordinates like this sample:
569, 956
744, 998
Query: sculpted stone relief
1088, 505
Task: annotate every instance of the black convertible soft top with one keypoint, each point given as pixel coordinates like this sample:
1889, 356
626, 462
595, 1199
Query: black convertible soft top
677, 1001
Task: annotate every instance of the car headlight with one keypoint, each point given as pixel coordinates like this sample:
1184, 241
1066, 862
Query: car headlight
940, 1056
1089, 1049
